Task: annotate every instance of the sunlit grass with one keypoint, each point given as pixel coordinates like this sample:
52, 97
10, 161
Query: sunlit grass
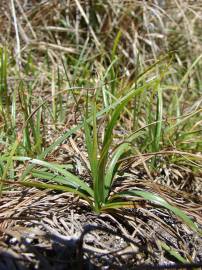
104, 158
126, 92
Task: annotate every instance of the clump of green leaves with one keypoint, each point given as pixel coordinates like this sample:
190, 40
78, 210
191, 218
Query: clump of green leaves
104, 163
104, 158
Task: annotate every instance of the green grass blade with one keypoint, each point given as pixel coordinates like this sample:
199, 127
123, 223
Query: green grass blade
182, 121
95, 143
118, 205
41, 185
160, 201
146, 72
116, 42
159, 118
189, 70
51, 148
106, 96
9, 162
40, 174
92, 144
89, 144
172, 251
95, 161
55, 167
92, 148
112, 167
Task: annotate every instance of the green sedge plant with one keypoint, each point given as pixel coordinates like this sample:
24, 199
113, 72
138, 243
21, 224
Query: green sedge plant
104, 162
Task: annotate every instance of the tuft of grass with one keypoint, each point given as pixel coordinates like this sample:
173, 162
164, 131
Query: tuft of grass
104, 160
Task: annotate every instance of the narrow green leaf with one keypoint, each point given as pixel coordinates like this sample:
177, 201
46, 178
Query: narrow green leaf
92, 147
95, 161
54, 187
159, 118
182, 121
95, 142
105, 94
112, 167
116, 42
9, 162
189, 70
160, 201
172, 251
89, 144
53, 177
55, 167
117, 205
